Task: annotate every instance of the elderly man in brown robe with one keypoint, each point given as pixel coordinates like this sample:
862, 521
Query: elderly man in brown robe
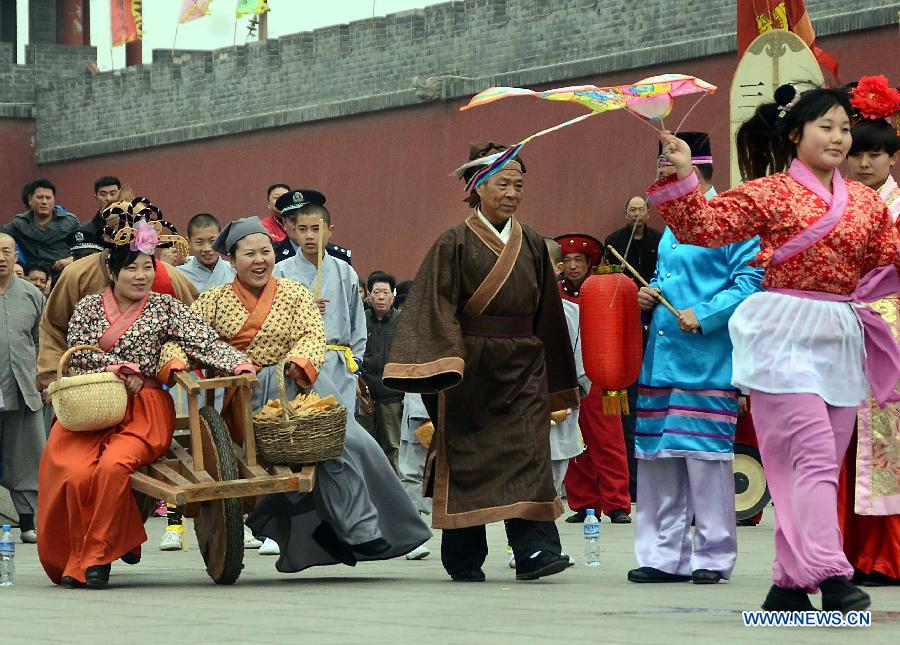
483, 337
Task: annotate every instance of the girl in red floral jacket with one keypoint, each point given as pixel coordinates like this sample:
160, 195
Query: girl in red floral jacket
805, 349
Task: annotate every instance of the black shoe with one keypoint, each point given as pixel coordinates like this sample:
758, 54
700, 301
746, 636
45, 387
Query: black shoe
543, 564
878, 579
783, 599
620, 517
468, 575
97, 576
746, 522
70, 582
649, 574
705, 577
371, 548
130, 558
577, 518
839, 594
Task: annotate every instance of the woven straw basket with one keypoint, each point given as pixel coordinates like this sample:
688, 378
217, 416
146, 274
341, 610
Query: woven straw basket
296, 438
88, 401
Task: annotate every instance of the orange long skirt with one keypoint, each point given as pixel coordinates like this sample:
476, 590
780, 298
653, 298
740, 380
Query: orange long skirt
871, 542
87, 514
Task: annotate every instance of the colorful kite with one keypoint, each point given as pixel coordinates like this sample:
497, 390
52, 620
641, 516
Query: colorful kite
650, 99
193, 10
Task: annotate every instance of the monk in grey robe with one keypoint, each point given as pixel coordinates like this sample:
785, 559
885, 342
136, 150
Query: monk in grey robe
22, 431
372, 517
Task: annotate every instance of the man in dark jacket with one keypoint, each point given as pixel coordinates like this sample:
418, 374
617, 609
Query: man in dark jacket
381, 321
106, 192
43, 230
636, 241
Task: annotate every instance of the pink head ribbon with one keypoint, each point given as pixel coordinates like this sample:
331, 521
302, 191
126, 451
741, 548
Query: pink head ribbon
837, 205
145, 238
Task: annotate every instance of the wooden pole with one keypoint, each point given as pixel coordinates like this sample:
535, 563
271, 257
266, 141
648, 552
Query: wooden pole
264, 26
319, 259
640, 279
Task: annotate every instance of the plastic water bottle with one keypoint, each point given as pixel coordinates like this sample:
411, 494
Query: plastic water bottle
7, 558
591, 539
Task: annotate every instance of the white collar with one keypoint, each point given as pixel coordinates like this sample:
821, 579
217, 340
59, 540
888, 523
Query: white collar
503, 234
709, 194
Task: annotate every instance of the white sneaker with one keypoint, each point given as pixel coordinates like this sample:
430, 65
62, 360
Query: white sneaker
419, 553
250, 542
29, 537
512, 558
171, 541
269, 547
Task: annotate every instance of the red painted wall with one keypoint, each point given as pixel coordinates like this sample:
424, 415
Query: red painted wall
17, 157
387, 175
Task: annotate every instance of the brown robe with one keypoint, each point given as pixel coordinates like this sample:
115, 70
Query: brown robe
484, 328
83, 277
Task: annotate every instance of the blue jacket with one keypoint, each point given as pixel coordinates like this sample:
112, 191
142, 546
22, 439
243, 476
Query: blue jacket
712, 281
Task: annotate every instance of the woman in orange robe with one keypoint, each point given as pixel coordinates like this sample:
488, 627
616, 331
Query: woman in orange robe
87, 516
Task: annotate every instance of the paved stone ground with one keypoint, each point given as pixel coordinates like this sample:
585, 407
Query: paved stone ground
168, 599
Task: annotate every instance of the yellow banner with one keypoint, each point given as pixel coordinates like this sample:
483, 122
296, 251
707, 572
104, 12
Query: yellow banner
251, 6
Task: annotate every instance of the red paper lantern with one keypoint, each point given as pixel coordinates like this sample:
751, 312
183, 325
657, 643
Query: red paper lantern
611, 335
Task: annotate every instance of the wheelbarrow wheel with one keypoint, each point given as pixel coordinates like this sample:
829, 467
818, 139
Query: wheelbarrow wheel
218, 523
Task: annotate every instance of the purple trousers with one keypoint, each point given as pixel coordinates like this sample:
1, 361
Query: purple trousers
672, 491
802, 441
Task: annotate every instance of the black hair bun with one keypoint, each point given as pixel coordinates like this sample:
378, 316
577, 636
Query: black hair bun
785, 94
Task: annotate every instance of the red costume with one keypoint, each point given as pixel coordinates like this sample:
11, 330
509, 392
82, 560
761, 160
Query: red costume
598, 478
273, 225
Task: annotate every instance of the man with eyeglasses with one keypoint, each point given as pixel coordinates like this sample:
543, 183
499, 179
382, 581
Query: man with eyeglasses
381, 321
640, 252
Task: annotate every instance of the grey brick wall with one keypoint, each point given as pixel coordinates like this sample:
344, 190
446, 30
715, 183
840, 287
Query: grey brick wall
42, 21
370, 65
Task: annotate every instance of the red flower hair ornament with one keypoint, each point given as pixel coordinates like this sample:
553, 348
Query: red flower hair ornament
873, 98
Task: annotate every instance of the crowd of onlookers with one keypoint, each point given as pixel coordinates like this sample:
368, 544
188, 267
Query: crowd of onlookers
48, 237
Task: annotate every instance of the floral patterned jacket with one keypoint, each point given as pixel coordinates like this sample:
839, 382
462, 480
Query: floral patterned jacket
135, 337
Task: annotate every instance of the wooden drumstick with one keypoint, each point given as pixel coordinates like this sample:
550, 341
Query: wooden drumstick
640, 279
319, 260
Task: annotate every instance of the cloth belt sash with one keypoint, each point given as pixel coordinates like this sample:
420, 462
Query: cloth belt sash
352, 367
882, 350
497, 326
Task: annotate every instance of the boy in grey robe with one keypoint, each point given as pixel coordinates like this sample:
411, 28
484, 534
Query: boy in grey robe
373, 500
